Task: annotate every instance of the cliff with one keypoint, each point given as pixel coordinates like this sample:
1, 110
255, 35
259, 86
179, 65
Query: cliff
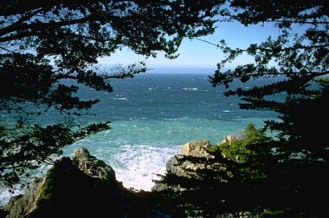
199, 182
86, 187
80, 187
202, 183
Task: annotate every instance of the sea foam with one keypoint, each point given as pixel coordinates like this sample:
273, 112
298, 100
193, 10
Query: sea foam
140, 165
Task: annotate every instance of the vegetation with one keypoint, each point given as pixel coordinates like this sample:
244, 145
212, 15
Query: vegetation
48, 43
285, 175
238, 148
49, 49
295, 64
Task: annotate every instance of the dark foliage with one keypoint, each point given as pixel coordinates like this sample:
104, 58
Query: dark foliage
289, 189
284, 176
296, 65
45, 43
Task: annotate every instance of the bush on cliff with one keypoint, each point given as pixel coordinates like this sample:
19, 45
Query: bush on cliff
238, 147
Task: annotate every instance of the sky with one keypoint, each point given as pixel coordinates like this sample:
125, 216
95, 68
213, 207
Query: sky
197, 53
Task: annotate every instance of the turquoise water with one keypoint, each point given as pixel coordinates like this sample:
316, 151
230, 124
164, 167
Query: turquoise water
139, 149
153, 115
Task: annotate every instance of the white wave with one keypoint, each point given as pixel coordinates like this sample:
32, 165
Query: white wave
121, 99
138, 165
5, 195
190, 89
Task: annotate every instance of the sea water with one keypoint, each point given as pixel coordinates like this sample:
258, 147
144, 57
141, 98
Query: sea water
152, 116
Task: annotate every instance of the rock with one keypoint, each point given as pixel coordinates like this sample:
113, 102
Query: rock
194, 164
197, 149
228, 139
92, 166
82, 187
183, 166
21, 205
200, 182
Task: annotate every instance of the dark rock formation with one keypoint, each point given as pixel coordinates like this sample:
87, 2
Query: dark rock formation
82, 187
93, 167
200, 182
197, 183
195, 162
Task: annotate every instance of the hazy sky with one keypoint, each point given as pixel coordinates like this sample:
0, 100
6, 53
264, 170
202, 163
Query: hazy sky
196, 53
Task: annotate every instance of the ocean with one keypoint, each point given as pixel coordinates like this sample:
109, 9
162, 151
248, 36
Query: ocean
152, 116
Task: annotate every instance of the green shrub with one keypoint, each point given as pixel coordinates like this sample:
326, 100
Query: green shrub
238, 148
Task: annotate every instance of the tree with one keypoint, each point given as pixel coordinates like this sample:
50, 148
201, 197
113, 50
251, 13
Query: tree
238, 148
296, 65
44, 44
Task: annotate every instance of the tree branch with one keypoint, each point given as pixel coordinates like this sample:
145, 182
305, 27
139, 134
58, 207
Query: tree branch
36, 27
15, 26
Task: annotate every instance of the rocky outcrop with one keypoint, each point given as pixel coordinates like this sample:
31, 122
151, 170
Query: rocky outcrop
199, 182
78, 187
228, 139
197, 149
202, 183
21, 205
197, 160
93, 167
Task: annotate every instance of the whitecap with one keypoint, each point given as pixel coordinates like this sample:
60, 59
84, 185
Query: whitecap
140, 165
190, 89
5, 195
121, 99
